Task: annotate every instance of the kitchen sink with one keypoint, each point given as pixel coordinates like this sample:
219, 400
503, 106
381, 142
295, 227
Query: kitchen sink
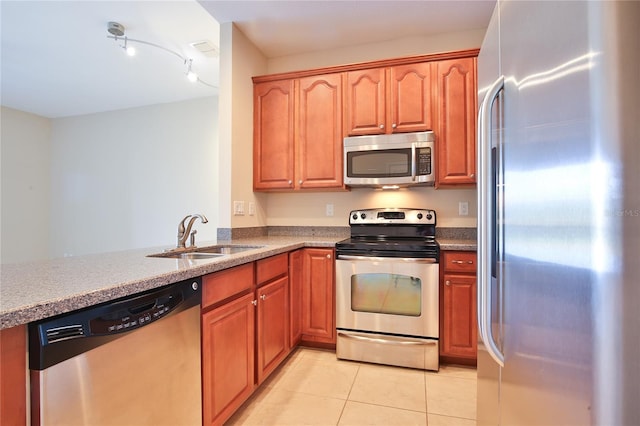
209, 252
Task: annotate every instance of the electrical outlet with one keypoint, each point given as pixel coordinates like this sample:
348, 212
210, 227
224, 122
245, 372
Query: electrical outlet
238, 208
252, 208
463, 208
329, 210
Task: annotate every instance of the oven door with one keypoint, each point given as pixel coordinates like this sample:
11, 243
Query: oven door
387, 295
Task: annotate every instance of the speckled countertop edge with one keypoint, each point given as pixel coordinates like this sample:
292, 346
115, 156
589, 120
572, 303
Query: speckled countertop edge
33, 291
37, 290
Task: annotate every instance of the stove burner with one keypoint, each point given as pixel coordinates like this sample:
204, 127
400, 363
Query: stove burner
398, 232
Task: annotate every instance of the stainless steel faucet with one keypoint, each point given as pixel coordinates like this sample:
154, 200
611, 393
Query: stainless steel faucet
184, 232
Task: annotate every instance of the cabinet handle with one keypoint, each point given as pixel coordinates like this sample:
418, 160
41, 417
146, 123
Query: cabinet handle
447, 282
254, 302
263, 296
394, 125
328, 256
460, 262
300, 182
382, 126
290, 182
472, 175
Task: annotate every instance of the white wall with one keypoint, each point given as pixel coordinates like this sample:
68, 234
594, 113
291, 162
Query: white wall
124, 179
24, 152
239, 61
307, 209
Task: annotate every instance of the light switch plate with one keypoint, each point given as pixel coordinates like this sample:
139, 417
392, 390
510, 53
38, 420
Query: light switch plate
238, 208
463, 208
329, 210
252, 208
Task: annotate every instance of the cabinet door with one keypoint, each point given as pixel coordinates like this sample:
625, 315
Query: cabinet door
411, 98
13, 370
366, 102
273, 326
227, 358
456, 135
273, 137
459, 337
319, 132
295, 297
318, 296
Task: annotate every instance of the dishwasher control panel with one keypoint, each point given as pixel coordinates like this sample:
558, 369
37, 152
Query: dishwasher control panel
56, 339
137, 316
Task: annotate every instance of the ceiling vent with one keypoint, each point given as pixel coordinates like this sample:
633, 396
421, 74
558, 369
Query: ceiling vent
206, 48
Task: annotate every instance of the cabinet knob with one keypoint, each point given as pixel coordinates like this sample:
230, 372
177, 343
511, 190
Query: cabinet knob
263, 296
328, 256
382, 126
300, 182
254, 302
290, 182
472, 175
447, 282
394, 125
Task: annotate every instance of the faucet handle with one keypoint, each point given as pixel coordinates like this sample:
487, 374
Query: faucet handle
192, 237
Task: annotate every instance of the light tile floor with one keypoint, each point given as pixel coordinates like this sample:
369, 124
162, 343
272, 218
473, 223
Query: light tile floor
314, 388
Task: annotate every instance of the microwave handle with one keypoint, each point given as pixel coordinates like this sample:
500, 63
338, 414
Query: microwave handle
413, 162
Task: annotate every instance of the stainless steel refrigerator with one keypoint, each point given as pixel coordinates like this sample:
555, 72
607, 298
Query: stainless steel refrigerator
559, 214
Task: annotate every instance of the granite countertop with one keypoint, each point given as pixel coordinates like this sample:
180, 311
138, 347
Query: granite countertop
37, 290
461, 244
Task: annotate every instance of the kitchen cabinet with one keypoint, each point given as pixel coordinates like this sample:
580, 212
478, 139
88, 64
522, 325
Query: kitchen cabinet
295, 297
319, 132
456, 121
228, 344
318, 296
273, 135
389, 100
13, 371
272, 338
458, 324
245, 332
298, 133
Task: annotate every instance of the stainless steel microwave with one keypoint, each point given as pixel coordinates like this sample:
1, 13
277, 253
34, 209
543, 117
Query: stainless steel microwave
400, 159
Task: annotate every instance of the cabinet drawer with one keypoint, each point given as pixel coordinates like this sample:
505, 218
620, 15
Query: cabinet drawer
271, 267
224, 284
459, 261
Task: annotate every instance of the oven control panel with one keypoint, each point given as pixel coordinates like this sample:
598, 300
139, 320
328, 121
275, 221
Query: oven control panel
396, 216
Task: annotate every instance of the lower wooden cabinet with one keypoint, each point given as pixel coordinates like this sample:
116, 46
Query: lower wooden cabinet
245, 332
253, 315
318, 296
458, 324
13, 371
228, 340
295, 297
272, 326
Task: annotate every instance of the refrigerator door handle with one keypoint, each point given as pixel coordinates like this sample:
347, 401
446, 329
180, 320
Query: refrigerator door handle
486, 233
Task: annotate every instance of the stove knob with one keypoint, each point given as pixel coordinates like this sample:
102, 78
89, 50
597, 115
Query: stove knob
419, 215
362, 215
429, 216
355, 216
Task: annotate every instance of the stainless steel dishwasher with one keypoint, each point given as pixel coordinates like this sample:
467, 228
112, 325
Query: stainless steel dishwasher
132, 361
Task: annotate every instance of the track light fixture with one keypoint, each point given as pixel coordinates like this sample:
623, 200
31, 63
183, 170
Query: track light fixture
116, 31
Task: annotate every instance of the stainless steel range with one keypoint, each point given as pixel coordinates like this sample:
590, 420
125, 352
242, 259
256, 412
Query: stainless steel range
387, 288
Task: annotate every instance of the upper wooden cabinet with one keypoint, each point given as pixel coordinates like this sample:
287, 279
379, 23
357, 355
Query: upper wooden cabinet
389, 100
273, 135
298, 133
301, 117
319, 132
456, 122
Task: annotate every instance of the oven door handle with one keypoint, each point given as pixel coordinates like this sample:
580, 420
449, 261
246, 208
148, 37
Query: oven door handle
388, 341
386, 259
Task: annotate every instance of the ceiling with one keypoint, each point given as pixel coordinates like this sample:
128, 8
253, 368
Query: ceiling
57, 60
